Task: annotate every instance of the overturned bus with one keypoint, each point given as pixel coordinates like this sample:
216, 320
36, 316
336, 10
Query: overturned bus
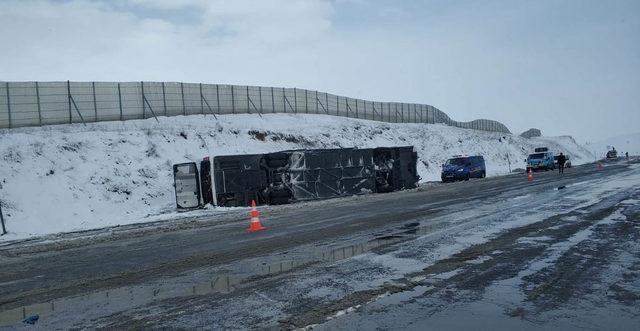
296, 175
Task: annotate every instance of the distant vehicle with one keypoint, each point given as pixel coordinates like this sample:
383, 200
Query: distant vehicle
540, 161
612, 154
541, 149
567, 163
463, 167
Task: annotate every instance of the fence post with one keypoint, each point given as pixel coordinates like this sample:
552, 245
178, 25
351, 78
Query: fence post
233, 101
426, 113
218, 97
120, 101
408, 118
433, 115
201, 100
248, 106
273, 101
184, 108
69, 100
365, 109
260, 96
142, 93
389, 112
337, 106
164, 100
38, 101
306, 103
382, 112
357, 108
409, 113
95, 103
8, 103
316, 101
326, 100
295, 101
395, 106
284, 100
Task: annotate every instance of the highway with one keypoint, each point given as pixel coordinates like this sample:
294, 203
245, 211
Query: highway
351, 262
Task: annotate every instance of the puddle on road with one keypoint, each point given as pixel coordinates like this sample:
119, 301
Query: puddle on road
201, 282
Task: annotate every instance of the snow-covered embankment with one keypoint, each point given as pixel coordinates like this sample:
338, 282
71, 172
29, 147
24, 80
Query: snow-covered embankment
74, 177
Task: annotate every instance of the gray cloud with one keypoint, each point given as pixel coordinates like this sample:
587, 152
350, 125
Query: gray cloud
567, 67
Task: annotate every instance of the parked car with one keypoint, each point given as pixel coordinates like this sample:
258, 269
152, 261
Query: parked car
612, 154
567, 163
463, 167
540, 161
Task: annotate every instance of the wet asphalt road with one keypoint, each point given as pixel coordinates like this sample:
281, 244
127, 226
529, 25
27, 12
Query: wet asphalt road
30, 277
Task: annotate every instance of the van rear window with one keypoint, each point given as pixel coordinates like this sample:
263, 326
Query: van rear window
537, 156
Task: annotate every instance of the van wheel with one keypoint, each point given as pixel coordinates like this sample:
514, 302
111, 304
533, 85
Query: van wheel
483, 174
467, 177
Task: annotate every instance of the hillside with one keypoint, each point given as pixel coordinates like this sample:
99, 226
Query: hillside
74, 177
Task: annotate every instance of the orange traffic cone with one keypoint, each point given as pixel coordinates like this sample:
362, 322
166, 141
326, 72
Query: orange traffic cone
255, 220
530, 175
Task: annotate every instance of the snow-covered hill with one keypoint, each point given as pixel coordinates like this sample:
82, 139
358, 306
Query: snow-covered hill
74, 177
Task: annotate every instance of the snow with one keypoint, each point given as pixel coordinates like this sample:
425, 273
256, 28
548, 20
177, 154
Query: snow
624, 143
72, 177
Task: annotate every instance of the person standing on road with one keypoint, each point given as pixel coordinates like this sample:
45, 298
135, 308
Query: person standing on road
561, 161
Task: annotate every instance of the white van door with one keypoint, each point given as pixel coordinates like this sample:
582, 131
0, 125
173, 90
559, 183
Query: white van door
187, 183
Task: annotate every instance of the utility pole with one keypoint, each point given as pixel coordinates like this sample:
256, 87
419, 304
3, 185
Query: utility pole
4, 230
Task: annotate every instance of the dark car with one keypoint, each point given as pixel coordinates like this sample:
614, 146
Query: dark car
463, 168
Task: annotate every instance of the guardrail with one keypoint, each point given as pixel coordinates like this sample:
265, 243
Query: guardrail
45, 103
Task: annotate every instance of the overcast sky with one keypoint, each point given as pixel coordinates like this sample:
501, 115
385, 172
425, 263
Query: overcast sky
566, 67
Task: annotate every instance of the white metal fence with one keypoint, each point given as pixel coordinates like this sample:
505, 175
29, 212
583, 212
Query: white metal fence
44, 103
